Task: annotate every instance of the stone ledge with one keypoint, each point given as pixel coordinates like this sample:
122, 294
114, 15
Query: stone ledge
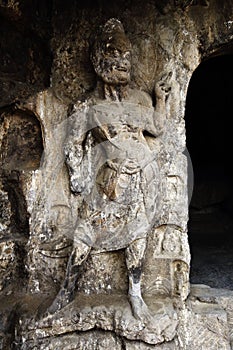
110, 313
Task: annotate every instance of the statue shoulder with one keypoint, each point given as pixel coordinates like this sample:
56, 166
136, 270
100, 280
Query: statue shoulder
77, 119
140, 97
80, 106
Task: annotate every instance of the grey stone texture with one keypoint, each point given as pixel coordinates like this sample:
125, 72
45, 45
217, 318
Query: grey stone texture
47, 86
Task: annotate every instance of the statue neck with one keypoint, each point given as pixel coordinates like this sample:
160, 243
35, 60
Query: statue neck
113, 92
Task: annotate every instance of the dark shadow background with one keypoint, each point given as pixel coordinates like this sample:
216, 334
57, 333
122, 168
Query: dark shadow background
209, 141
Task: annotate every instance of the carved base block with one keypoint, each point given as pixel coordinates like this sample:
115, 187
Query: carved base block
111, 313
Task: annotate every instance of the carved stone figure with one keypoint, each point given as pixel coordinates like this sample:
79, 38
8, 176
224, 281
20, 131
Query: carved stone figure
111, 157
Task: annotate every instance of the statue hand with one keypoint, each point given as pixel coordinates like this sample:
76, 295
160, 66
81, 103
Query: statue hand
163, 86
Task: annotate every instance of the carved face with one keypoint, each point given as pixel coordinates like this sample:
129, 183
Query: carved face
114, 65
111, 57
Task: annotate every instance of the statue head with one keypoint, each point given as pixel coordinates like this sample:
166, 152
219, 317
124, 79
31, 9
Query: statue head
111, 54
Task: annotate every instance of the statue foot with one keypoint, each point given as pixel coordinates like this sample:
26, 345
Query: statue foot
139, 309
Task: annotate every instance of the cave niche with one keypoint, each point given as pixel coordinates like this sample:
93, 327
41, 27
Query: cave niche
208, 131
21, 148
21, 144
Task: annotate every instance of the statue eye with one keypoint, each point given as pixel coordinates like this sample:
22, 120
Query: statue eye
116, 53
127, 55
111, 51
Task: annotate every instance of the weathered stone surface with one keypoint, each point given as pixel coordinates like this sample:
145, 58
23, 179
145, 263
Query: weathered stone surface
5, 212
8, 320
87, 340
207, 320
38, 208
8, 263
132, 345
220, 297
108, 312
21, 140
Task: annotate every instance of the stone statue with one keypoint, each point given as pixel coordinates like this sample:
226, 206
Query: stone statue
111, 158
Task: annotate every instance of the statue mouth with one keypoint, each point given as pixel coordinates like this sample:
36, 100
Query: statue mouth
120, 69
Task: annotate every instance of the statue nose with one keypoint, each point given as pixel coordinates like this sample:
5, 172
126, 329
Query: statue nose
123, 64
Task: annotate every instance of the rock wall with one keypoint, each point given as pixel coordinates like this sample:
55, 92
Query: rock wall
45, 69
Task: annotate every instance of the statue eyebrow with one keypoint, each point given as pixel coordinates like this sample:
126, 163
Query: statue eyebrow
113, 47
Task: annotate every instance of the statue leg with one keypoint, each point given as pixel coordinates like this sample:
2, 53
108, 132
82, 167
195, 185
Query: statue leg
135, 253
66, 294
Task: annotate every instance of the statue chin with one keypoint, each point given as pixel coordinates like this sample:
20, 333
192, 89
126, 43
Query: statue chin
118, 78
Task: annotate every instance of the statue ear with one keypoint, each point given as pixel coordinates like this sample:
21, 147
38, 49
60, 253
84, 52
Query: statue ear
95, 54
95, 59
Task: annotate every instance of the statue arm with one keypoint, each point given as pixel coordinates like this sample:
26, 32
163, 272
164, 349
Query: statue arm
162, 93
74, 149
74, 155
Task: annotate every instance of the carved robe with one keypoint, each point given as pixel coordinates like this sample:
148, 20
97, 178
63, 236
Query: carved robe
113, 166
